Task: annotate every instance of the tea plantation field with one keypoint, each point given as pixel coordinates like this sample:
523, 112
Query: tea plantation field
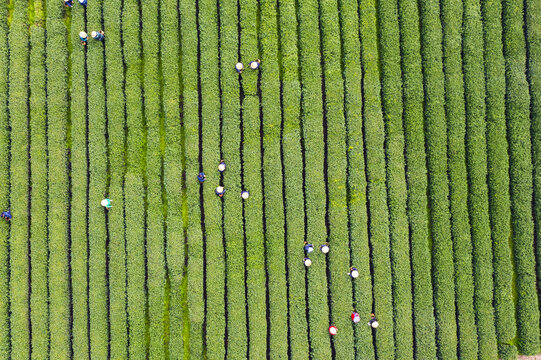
406, 134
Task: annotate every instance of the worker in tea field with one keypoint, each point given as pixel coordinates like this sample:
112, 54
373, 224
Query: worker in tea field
254, 65
68, 3
82, 2
84, 37
373, 321
6, 215
324, 248
106, 203
355, 317
333, 330
98, 35
201, 177
220, 191
307, 262
353, 272
308, 248
221, 166
245, 195
239, 67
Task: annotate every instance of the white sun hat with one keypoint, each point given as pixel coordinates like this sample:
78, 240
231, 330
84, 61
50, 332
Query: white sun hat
324, 248
221, 166
245, 194
307, 262
82, 34
333, 330
220, 189
354, 274
104, 202
239, 66
374, 324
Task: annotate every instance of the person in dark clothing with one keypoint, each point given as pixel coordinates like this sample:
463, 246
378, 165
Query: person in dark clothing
6, 215
68, 3
373, 321
201, 177
98, 35
82, 2
308, 248
324, 248
307, 262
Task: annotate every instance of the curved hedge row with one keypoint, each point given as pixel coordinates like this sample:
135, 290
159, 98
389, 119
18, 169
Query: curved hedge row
172, 172
314, 182
116, 169
533, 21
340, 285
518, 132
133, 184
374, 135
476, 150
236, 329
57, 112
252, 181
436, 143
97, 150
39, 251
498, 179
356, 180
458, 177
416, 176
210, 120
389, 42
79, 187
190, 107
4, 190
154, 200
292, 160
19, 176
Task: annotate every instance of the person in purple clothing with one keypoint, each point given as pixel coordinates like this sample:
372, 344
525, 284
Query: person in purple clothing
201, 177
6, 215
308, 248
68, 3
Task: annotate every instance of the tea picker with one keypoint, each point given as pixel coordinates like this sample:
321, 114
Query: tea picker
106, 203
239, 67
201, 177
6, 215
221, 166
220, 191
373, 321
84, 37
353, 272
98, 35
